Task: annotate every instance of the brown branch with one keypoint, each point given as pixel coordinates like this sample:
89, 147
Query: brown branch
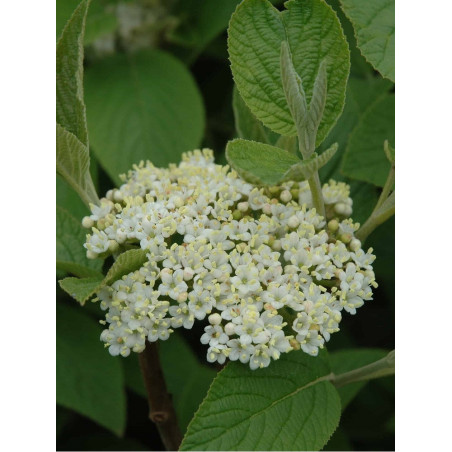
161, 409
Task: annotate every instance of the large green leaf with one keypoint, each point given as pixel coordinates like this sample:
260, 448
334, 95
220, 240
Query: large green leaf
70, 254
345, 360
70, 108
142, 106
313, 33
88, 380
361, 93
286, 406
84, 288
374, 23
187, 379
364, 158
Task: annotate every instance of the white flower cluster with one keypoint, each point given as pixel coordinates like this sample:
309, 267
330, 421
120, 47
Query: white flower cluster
266, 272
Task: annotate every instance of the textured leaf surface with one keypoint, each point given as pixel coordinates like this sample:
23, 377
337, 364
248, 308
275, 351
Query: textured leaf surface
314, 34
72, 163
246, 124
374, 23
346, 360
88, 379
187, 379
259, 163
286, 406
364, 158
70, 108
99, 20
83, 289
70, 254
142, 106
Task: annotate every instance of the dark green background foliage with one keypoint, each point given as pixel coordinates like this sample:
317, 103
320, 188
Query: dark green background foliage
164, 88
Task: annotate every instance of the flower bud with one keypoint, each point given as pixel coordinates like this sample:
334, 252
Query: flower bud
91, 254
285, 196
215, 319
182, 297
229, 329
267, 208
333, 225
293, 222
243, 206
355, 245
87, 222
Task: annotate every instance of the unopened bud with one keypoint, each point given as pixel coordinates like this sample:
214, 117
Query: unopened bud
229, 329
91, 254
182, 297
87, 222
285, 196
243, 206
267, 208
113, 245
293, 222
215, 319
333, 225
355, 245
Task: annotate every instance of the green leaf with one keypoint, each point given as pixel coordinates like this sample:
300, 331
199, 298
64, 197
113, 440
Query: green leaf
99, 20
374, 24
360, 95
286, 406
187, 379
246, 124
364, 158
70, 108
72, 163
70, 254
262, 164
142, 106
313, 33
345, 360
88, 379
67, 198
259, 163
83, 289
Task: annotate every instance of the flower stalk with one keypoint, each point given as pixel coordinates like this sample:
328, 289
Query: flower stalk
381, 368
161, 409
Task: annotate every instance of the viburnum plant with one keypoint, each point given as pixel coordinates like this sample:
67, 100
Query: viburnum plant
259, 252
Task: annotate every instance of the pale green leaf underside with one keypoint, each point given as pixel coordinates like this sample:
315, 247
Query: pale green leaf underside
364, 158
259, 163
286, 406
70, 254
374, 24
70, 108
306, 168
389, 151
88, 380
72, 163
144, 106
83, 289
314, 34
262, 164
